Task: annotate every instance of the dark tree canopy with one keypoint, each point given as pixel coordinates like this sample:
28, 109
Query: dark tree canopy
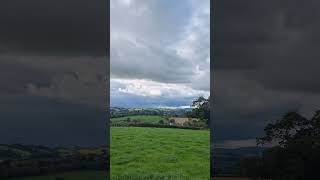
295, 153
293, 129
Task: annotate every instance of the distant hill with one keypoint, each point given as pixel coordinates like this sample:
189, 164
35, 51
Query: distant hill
122, 112
226, 161
18, 160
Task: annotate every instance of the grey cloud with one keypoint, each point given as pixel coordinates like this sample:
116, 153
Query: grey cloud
48, 27
265, 63
53, 101
148, 62
145, 18
242, 106
80, 80
147, 43
268, 38
54, 71
15, 76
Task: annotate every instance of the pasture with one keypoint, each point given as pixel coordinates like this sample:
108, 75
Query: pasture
159, 153
139, 118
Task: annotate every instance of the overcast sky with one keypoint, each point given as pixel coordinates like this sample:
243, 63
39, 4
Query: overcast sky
53, 71
266, 63
160, 52
53, 63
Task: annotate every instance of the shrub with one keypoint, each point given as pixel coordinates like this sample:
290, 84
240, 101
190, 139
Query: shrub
172, 121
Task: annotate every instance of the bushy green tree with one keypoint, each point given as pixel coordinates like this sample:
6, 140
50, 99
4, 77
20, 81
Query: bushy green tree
172, 121
201, 109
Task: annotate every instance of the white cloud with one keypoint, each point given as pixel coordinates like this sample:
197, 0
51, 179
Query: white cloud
174, 107
142, 87
125, 2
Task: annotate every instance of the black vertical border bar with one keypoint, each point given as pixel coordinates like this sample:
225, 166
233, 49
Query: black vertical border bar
107, 24
212, 97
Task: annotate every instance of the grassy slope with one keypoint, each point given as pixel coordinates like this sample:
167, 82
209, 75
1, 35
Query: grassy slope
20, 152
154, 153
142, 118
80, 175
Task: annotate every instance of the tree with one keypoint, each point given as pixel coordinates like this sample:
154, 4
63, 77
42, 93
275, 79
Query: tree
295, 153
201, 109
135, 121
291, 127
128, 119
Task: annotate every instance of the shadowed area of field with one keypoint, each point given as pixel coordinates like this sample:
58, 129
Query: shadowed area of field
76, 175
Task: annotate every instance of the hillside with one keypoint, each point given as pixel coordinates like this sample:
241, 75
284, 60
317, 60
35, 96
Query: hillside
122, 112
30, 160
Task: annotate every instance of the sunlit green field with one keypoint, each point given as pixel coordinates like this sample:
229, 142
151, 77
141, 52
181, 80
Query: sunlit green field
159, 153
77, 175
140, 118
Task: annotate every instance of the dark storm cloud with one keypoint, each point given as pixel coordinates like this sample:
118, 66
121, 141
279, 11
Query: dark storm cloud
38, 120
48, 27
14, 77
49, 102
80, 80
277, 40
266, 61
54, 71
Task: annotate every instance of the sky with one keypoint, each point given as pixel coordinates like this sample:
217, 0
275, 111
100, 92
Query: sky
266, 63
54, 64
53, 72
160, 52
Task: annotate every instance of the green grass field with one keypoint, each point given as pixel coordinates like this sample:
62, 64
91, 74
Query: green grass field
159, 153
140, 118
77, 175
